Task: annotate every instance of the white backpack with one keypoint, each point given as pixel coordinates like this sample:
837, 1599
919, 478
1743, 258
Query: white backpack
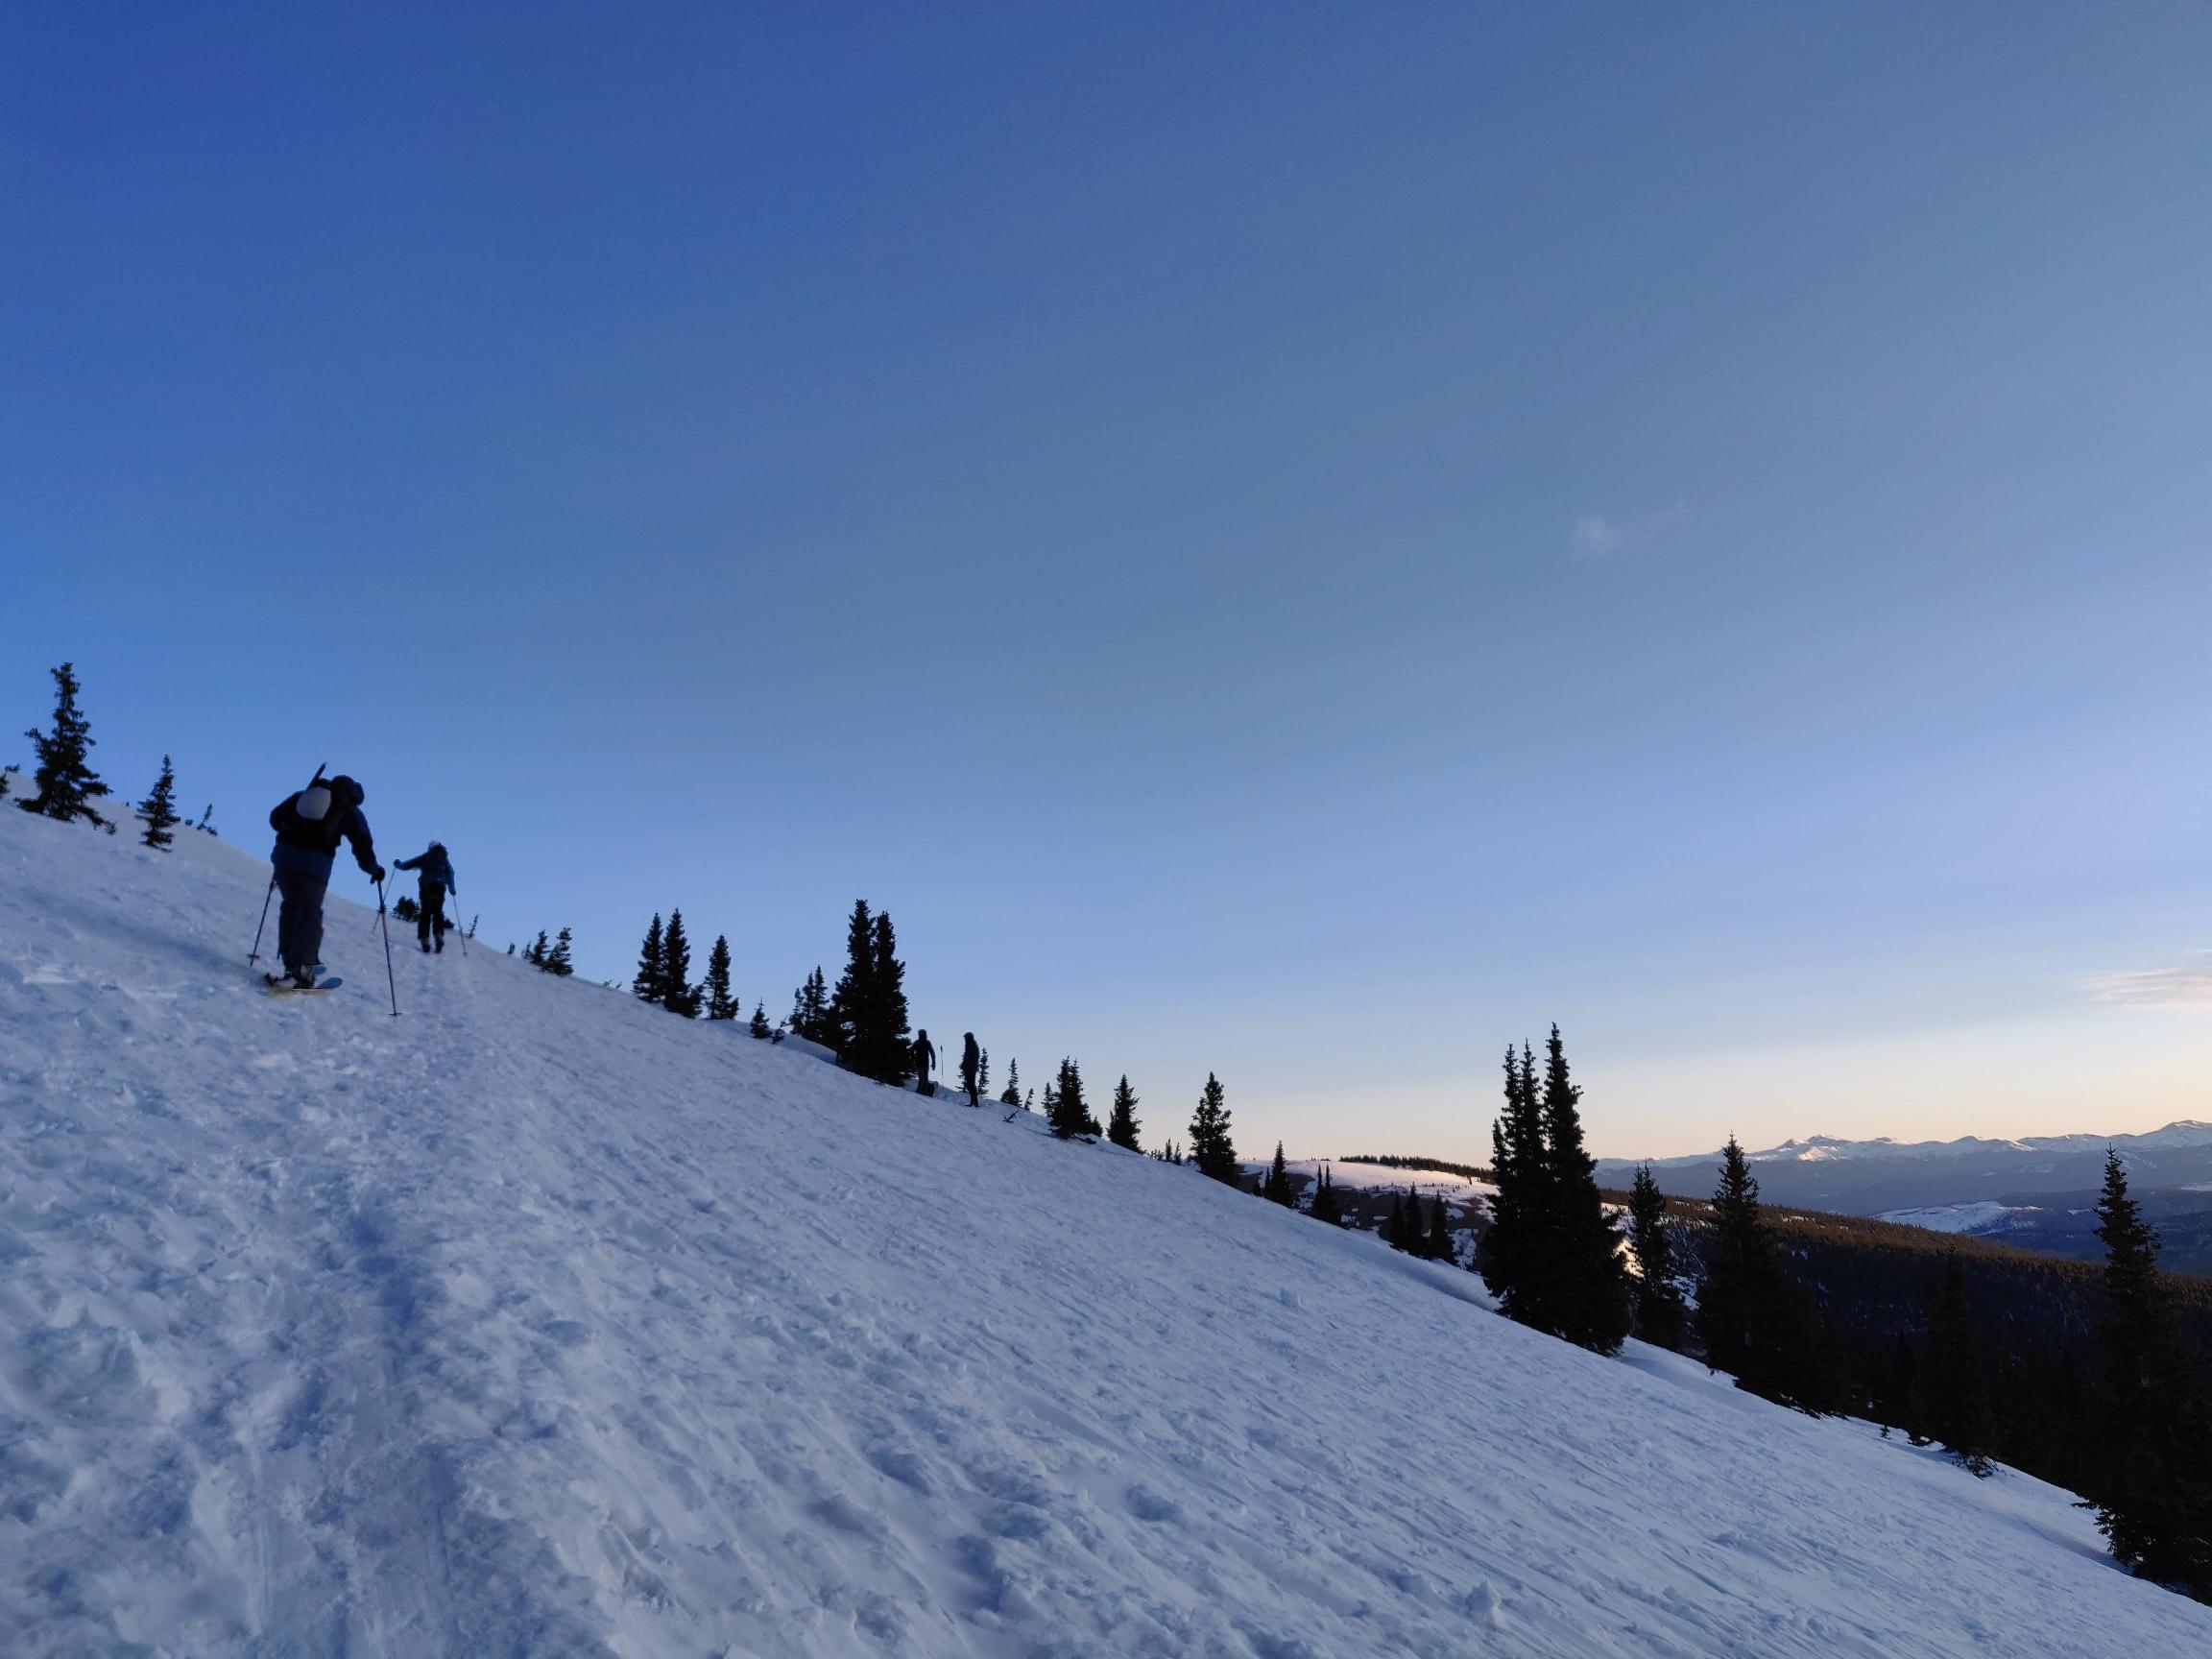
314, 803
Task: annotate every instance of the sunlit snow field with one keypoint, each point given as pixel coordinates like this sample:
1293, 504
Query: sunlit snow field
539, 1322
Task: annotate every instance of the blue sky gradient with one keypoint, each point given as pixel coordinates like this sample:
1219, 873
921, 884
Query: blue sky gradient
1305, 543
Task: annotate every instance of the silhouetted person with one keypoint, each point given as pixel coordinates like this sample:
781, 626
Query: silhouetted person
971, 1068
925, 1057
309, 826
434, 879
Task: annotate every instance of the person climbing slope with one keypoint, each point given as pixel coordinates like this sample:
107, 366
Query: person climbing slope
309, 825
434, 879
971, 1068
925, 1057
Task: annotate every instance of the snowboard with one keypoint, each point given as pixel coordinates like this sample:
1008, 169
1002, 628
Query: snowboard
285, 988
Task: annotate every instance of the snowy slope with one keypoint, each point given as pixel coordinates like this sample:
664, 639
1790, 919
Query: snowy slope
537, 1322
1982, 1218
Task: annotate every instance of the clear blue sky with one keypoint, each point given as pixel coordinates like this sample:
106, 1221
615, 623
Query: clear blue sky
1305, 541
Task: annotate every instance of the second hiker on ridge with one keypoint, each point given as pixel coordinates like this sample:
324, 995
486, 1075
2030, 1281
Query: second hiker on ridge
434, 879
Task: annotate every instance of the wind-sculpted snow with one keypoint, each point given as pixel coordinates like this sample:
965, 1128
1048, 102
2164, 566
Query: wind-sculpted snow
537, 1322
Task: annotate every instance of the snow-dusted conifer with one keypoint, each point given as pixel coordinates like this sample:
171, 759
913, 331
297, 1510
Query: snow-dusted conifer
720, 1003
1122, 1123
650, 985
160, 810
66, 783
1212, 1147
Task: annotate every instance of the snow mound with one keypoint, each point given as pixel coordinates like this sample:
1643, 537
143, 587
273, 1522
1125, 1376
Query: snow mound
1982, 1216
539, 1322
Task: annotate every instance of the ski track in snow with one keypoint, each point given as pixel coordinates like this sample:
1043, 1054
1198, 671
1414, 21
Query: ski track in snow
537, 1322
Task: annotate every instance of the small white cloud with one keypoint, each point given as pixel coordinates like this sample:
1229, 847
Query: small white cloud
1595, 536
2156, 987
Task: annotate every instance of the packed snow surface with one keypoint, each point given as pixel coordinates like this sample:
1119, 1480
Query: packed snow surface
539, 1322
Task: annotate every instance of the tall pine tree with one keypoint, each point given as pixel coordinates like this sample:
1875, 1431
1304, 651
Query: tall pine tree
720, 1003
66, 783
1440, 1245
1212, 1147
1511, 1254
537, 953
651, 983
1013, 1096
1590, 1302
1751, 1317
1325, 1207
160, 810
2153, 1474
1277, 1191
889, 1042
1069, 1114
759, 1026
559, 961
810, 1010
847, 1013
1659, 1309
1122, 1123
678, 995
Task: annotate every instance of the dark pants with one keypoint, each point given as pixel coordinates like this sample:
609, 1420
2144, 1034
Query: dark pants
299, 923
968, 1082
433, 901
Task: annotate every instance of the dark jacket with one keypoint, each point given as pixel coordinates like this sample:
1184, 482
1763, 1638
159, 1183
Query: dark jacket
970, 1059
437, 868
308, 845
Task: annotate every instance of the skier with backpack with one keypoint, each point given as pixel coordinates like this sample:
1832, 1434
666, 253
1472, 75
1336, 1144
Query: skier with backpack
309, 825
925, 1057
434, 879
971, 1068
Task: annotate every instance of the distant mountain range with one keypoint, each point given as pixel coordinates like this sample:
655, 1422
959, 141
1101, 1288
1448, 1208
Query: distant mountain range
1879, 1176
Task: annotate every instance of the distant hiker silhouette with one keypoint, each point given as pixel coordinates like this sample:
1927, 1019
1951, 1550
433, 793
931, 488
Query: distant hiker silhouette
925, 1057
309, 825
434, 880
970, 1066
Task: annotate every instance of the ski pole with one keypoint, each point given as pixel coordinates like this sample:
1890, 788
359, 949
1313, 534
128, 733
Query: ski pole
255, 955
389, 983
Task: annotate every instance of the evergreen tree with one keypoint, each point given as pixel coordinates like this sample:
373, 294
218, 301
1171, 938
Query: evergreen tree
2153, 1478
890, 1038
160, 810
67, 785
404, 908
1750, 1318
1013, 1094
1440, 1245
720, 1003
1122, 1123
982, 1072
651, 983
678, 995
559, 962
1278, 1187
1592, 1304
1658, 1306
1211, 1147
759, 1026
810, 1009
1325, 1207
536, 954
1510, 1255
1953, 1406
1393, 1228
848, 1011
1070, 1114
